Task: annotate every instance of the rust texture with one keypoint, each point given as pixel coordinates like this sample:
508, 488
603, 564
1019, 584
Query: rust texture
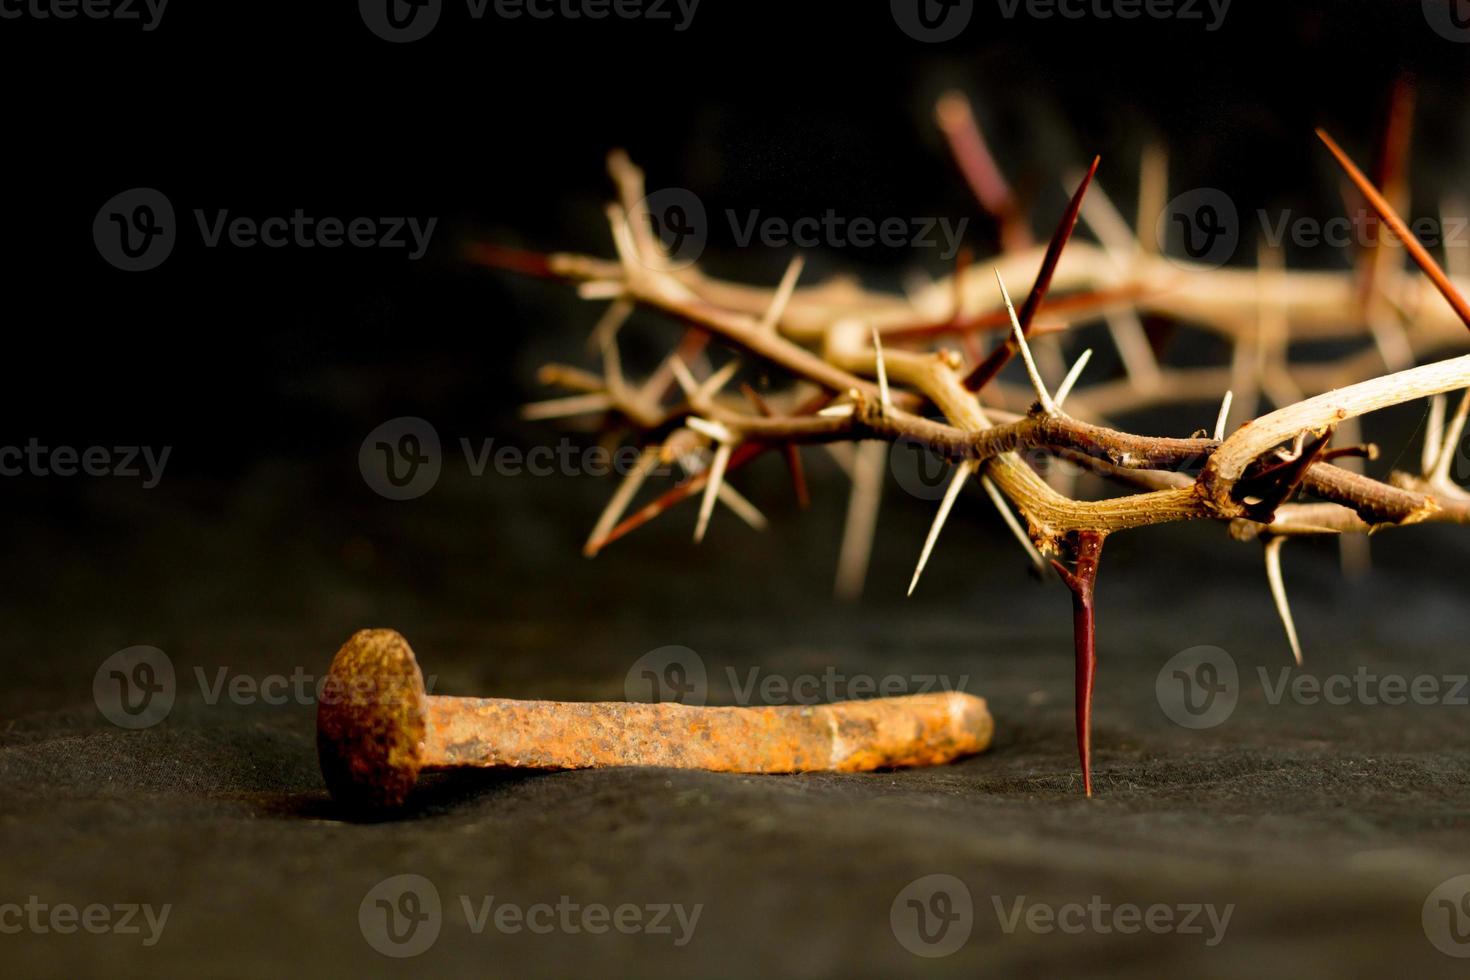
370, 720
377, 729
853, 736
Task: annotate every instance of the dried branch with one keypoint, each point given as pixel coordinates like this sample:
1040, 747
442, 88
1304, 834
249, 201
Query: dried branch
878, 378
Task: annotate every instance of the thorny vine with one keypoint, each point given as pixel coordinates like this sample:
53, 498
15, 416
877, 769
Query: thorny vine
866, 369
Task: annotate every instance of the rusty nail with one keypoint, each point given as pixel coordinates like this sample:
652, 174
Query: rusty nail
377, 729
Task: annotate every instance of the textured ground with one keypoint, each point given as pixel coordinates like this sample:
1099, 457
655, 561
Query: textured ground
1325, 826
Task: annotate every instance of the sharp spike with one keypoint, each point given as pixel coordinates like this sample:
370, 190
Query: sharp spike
842, 454
782, 297
1129, 338
602, 289
1070, 381
1153, 194
967, 145
743, 508
1433, 435
623, 241
1110, 227
869, 461
624, 495
612, 364
984, 372
1278, 593
885, 401
962, 473
715, 431
1223, 419
1451, 215
1396, 224
1450, 444
712, 489
1009, 516
718, 380
681, 374
557, 408
1020, 336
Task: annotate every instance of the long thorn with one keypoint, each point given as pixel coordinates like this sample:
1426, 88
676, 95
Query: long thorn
681, 374
1131, 340
1433, 435
977, 165
510, 259
623, 240
885, 401
741, 507
624, 495
1111, 229
612, 364
691, 345
558, 408
869, 463
790, 450
1020, 336
718, 380
962, 473
1153, 193
1070, 381
1012, 522
1082, 580
712, 489
1450, 444
987, 369
1223, 418
1401, 231
1451, 212
1278, 593
782, 297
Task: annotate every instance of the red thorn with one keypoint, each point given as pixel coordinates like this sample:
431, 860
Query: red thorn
1401, 231
971, 153
792, 453
1391, 174
1087, 550
986, 371
1000, 319
513, 259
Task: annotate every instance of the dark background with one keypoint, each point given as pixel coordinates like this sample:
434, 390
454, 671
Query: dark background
263, 548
